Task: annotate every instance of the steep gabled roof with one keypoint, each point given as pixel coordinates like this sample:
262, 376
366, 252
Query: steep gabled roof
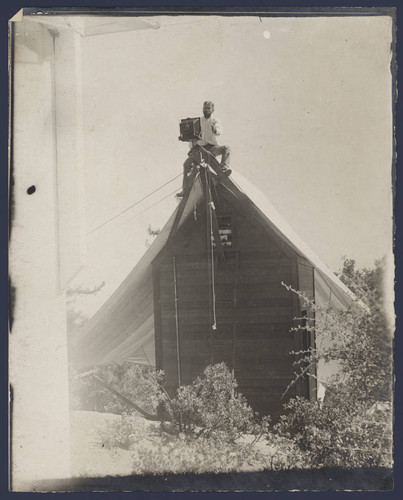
123, 328
338, 294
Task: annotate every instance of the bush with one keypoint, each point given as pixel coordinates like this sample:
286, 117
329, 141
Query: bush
197, 456
352, 427
140, 384
212, 407
125, 432
87, 394
208, 419
284, 453
335, 435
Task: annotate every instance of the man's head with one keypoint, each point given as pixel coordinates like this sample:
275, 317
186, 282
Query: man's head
208, 109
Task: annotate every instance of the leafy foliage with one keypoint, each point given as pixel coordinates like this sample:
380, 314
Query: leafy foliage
352, 426
284, 453
332, 435
375, 365
197, 456
213, 429
153, 233
155, 452
212, 407
140, 384
125, 433
75, 317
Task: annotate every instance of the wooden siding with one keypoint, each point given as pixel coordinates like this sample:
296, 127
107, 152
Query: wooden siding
253, 338
307, 339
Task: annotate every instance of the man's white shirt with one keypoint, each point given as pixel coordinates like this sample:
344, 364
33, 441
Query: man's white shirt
208, 136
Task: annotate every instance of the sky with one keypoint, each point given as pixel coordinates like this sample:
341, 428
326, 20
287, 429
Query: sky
305, 105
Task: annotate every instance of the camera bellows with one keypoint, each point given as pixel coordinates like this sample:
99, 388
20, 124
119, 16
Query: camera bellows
190, 129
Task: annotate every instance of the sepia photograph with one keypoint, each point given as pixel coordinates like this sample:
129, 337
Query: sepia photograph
201, 250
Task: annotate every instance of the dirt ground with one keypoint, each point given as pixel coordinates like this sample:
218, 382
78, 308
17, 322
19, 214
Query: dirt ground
90, 457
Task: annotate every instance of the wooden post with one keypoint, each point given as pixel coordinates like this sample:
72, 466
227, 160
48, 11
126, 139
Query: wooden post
178, 358
178, 353
157, 318
313, 384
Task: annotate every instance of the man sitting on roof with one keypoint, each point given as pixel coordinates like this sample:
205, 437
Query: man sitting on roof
210, 128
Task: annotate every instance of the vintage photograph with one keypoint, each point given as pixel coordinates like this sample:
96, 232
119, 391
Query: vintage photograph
201, 250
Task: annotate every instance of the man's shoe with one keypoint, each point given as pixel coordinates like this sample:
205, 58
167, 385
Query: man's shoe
180, 195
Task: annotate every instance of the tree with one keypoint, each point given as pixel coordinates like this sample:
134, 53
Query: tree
371, 367
75, 317
153, 233
352, 426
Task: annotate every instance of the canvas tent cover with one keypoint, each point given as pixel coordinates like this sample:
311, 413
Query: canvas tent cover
123, 328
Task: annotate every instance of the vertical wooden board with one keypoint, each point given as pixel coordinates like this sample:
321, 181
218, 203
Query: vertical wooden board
265, 402
157, 320
301, 386
305, 274
192, 235
222, 352
307, 285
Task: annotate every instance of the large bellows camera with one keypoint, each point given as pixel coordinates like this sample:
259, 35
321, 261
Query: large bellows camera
190, 129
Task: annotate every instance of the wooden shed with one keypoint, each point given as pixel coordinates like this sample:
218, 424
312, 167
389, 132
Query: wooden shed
209, 289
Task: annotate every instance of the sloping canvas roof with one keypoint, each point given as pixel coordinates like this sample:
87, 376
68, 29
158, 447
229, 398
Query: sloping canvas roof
328, 287
123, 328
